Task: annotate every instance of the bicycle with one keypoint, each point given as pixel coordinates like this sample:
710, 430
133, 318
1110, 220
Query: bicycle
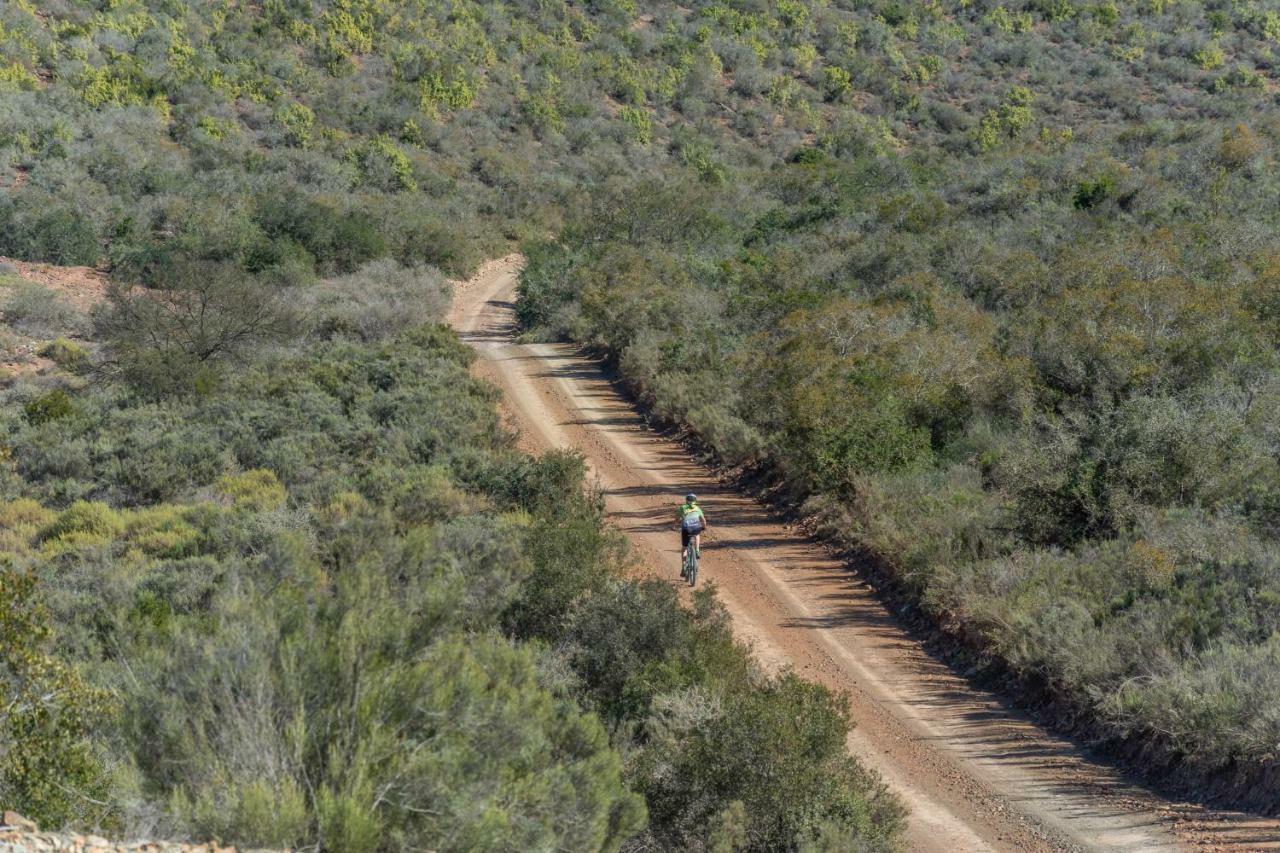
690, 570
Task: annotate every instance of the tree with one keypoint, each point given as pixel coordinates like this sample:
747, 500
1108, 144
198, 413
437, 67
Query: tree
464, 750
49, 771
169, 342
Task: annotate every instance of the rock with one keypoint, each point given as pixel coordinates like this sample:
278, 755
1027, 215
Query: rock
12, 818
97, 841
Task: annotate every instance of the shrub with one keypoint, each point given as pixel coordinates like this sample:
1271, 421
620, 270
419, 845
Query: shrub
1008, 120
164, 532
258, 490
572, 559
90, 519
379, 300
1239, 147
1209, 56
838, 82
427, 495
617, 637
383, 166
56, 235
49, 769
1089, 194
356, 239
67, 354
779, 750
20, 522
38, 311
270, 811
298, 122
424, 239
638, 121
49, 407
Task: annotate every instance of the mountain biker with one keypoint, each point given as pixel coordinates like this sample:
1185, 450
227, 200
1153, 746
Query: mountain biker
692, 522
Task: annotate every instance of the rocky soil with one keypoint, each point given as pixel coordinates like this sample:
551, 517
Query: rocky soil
19, 835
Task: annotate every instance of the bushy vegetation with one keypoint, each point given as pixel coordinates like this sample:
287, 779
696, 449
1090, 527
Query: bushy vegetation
991, 284
1009, 324
278, 575
328, 602
271, 572
296, 138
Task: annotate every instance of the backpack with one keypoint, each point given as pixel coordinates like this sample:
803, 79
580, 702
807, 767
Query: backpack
692, 520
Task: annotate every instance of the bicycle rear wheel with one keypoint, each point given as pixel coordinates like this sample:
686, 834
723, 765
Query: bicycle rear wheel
691, 567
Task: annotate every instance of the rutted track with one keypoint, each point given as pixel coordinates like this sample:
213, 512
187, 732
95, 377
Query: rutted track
976, 774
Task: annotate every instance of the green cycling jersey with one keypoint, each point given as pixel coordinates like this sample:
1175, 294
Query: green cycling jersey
691, 516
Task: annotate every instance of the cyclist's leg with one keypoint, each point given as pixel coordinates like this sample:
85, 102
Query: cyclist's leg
697, 544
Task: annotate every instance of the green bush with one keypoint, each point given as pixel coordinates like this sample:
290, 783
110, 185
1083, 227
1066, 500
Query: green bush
999, 394
356, 240
49, 407
50, 769
258, 490
20, 521
57, 235
298, 122
717, 738
90, 518
1090, 194
383, 166
779, 751
67, 354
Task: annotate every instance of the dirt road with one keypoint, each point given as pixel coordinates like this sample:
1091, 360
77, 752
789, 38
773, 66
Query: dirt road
976, 774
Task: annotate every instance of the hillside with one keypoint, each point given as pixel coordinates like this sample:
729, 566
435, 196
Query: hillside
272, 573
989, 289
1013, 341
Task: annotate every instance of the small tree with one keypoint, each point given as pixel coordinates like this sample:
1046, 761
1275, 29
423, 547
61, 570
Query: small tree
49, 770
170, 342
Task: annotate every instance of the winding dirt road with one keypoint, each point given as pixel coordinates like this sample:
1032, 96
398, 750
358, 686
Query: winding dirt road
976, 774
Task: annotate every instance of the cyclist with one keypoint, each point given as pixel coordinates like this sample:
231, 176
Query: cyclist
692, 523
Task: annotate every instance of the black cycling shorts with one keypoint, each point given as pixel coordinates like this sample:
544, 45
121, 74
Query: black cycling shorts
686, 535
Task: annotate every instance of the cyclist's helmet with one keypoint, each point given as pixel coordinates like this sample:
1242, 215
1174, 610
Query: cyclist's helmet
691, 498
